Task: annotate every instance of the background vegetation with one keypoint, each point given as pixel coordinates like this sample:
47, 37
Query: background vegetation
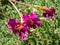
49, 34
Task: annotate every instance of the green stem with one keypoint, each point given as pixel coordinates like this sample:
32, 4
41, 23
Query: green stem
29, 5
34, 6
16, 9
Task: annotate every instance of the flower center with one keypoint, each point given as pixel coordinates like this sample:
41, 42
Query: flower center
20, 27
31, 21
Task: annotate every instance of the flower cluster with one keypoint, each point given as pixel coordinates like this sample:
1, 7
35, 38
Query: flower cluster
22, 29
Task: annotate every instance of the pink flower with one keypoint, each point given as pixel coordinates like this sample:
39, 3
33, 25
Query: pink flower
19, 28
32, 20
50, 13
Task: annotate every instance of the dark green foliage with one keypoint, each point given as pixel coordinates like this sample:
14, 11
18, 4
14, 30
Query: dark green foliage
5, 2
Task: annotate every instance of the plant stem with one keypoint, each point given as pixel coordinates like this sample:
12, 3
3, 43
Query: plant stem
33, 6
42, 18
29, 5
16, 9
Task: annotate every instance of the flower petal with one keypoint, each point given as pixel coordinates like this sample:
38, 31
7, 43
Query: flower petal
38, 22
23, 36
12, 24
33, 15
25, 17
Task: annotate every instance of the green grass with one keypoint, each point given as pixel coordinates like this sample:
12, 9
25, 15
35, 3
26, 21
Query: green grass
49, 34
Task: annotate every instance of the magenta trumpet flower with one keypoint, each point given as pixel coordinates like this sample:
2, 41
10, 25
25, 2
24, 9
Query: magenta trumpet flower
32, 20
19, 28
50, 13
